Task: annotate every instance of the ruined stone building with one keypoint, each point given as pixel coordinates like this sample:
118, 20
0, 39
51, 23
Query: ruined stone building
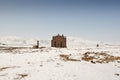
36, 46
58, 41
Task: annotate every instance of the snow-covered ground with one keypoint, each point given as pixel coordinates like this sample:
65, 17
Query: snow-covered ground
46, 63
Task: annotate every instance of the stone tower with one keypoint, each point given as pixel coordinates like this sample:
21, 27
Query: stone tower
36, 46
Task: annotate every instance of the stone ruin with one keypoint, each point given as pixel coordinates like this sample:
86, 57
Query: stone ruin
58, 41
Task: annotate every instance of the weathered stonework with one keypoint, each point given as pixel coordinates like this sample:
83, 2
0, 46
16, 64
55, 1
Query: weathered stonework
58, 41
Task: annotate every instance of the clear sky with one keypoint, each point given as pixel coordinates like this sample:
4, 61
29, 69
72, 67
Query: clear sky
89, 19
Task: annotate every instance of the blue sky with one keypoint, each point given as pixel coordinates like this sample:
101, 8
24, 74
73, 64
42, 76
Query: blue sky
89, 19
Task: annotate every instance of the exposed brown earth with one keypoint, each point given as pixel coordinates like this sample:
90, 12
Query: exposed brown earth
97, 57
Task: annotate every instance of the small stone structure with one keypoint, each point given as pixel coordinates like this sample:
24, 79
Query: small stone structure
58, 41
36, 46
97, 45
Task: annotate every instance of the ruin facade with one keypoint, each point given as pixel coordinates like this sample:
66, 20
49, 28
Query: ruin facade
58, 41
